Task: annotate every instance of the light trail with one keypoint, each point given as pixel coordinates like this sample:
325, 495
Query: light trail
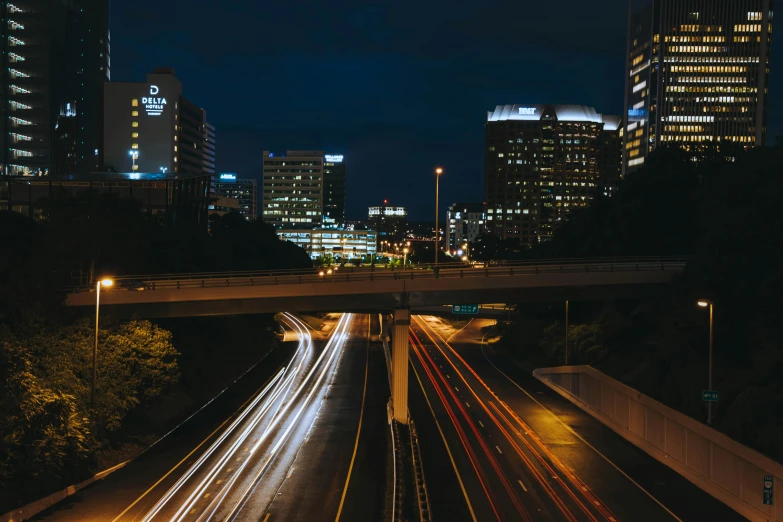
269, 408
541, 449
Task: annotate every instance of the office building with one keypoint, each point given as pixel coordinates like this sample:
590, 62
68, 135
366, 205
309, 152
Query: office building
696, 71
541, 162
293, 189
151, 127
232, 193
464, 223
55, 60
334, 189
390, 223
340, 244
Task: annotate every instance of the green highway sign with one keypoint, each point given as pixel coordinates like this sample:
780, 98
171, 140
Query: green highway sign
709, 396
769, 484
465, 309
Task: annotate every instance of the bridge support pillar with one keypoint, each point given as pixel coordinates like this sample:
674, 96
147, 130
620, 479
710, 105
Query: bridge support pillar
402, 321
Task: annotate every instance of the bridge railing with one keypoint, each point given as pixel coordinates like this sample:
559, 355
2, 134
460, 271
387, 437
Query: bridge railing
358, 274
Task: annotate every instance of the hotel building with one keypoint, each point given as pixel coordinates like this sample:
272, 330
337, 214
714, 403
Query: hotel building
542, 162
151, 127
696, 71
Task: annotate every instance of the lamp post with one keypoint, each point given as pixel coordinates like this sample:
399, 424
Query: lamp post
404, 257
704, 303
134, 154
566, 339
107, 283
438, 172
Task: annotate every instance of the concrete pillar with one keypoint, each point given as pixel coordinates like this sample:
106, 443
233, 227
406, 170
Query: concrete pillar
402, 321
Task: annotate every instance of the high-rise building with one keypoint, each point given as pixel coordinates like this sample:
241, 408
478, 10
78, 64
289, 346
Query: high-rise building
152, 127
227, 186
696, 71
464, 223
389, 222
334, 189
209, 147
541, 162
55, 60
293, 189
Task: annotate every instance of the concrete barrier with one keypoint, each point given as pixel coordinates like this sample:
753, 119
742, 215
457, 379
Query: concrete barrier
33, 508
719, 465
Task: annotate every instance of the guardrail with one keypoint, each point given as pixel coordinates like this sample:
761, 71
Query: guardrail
719, 465
357, 274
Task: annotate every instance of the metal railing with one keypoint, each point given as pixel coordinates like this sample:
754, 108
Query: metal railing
377, 273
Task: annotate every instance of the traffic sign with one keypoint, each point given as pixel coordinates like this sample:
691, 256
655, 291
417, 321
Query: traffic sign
472, 309
769, 484
709, 396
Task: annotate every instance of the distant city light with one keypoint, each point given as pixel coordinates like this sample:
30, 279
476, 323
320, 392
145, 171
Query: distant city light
227, 176
332, 158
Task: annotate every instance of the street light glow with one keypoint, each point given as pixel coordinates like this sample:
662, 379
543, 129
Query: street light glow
704, 303
106, 282
439, 171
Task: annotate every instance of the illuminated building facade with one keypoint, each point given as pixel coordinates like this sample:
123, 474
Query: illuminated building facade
464, 223
696, 71
55, 60
338, 243
390, 222
151, 127
542, 162
334, 189
293, 189
227, 186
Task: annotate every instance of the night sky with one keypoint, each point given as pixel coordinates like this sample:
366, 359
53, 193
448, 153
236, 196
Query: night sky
398, 87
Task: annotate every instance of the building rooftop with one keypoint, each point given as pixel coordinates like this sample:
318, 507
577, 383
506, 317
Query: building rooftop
573, 113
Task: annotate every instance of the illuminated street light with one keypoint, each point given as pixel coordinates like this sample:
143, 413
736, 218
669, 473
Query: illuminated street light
704, 303
438, 172
405, 256
134, 154
107, 283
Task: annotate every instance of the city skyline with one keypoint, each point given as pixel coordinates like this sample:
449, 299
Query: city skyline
382, 83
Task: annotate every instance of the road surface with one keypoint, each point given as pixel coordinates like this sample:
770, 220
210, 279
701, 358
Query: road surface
517, 451
307, 444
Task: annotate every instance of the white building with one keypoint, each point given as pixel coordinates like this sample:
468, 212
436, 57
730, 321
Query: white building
293, 189
343, 244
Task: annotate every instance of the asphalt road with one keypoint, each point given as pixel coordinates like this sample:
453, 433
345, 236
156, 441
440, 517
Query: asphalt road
505, 447
292, 451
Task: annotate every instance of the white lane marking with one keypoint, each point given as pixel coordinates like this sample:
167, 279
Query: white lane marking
499, 450
481, 423
523, 486
466, 404
456, 388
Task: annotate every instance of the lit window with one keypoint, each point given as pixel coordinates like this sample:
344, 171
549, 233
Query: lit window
135, 135
135, 167
135, 102
175, 148
135, 124
135, 113
135, 146
175, 159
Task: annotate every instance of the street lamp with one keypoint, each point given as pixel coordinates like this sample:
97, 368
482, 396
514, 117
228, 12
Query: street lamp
704, 303
438, 172
107, 283
405, 256
134, 154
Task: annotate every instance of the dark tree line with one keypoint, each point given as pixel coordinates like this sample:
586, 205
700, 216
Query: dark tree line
721, 208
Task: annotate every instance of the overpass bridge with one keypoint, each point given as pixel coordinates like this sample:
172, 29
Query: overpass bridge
395, 292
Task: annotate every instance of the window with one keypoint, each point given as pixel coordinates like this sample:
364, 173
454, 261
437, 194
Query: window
135, 135
135, 167
134, 113
135, 146
135, 124
135, 102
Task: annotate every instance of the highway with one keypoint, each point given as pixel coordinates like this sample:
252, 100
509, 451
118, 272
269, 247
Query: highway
305, 446
514, 451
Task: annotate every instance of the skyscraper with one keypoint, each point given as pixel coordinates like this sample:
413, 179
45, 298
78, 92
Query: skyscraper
543, 161
696, 71
55, 60
334, 189
464, 223
227, 186
151, 127
293, 189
